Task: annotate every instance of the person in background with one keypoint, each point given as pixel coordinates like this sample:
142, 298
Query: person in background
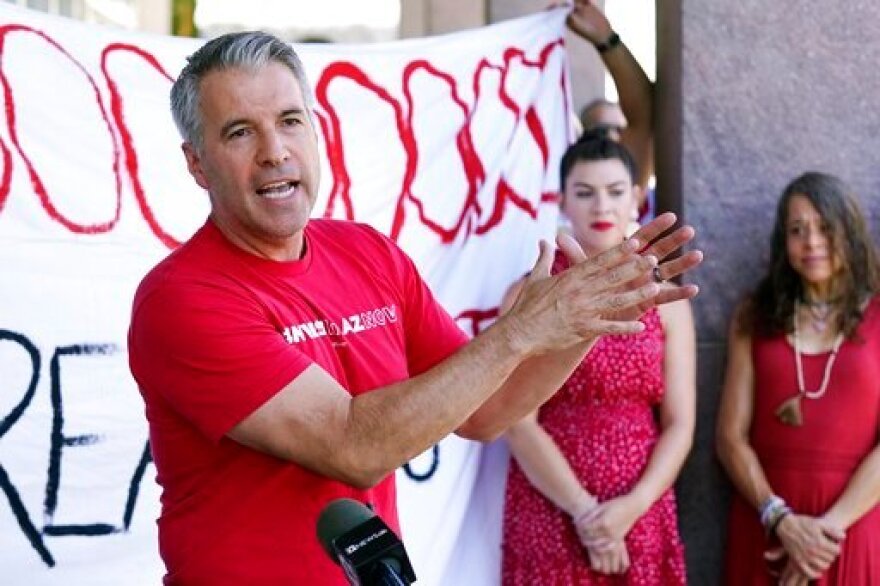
285, 362
800, 409
589, 497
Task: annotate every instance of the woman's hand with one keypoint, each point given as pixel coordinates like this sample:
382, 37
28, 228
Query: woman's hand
613, 559
812, 544
792, 575
609, 522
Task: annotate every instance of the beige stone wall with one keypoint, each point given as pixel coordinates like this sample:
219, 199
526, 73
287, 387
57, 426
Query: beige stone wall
753, 93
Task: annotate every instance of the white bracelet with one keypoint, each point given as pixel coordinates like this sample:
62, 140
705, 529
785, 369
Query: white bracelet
770, 508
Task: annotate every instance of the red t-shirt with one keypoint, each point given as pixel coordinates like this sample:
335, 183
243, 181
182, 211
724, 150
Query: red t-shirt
215, 333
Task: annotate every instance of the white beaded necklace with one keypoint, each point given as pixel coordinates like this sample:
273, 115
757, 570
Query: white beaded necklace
800, 369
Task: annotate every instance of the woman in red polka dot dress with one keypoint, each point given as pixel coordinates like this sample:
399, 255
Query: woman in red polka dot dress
589, 497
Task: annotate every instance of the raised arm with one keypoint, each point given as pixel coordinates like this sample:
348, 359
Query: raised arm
532, 383
635, 91
316, 423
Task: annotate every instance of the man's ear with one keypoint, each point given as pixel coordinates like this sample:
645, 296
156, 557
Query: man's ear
194, 164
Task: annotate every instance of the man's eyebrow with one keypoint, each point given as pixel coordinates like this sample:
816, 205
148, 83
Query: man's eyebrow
238, 121
231, 124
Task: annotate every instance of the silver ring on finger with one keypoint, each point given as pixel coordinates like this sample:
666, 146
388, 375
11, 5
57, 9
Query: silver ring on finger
655, 272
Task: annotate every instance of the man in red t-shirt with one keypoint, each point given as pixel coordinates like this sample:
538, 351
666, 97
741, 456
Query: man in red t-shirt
285, 362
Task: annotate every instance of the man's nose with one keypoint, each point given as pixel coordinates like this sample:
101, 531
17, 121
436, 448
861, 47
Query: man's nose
273, 150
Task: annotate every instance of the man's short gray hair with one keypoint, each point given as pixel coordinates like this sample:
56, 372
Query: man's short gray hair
250, 50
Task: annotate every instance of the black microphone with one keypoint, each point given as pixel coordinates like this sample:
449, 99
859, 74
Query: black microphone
366, 548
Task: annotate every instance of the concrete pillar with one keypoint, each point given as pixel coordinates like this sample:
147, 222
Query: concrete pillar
421, 18
750, 95
154, 16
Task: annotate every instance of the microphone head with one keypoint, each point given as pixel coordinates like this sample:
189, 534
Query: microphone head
338, 518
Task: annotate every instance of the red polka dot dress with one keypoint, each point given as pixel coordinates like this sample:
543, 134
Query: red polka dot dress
603, 422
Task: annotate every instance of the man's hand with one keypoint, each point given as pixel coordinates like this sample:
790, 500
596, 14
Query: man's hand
659, 248
557, 312
662, 248
604, 294
587, 21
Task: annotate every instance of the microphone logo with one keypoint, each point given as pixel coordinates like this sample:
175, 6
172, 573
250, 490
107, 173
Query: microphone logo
350, 549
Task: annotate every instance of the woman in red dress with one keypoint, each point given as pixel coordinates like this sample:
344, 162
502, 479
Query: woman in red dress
800, 411
589, 498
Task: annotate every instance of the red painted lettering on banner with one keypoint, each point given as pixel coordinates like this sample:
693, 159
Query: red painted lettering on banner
131, 156
36, 181
472, 218
6, 177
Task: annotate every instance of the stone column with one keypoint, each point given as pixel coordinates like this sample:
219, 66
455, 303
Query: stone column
422, 18
750, 95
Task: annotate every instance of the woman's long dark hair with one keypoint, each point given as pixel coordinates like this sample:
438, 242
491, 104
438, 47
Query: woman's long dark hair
770, 309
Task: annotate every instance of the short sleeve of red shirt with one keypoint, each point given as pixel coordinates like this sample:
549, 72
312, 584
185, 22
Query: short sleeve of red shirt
208, 353
432, 335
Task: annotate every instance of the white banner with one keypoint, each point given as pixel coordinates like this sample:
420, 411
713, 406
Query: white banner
450, 145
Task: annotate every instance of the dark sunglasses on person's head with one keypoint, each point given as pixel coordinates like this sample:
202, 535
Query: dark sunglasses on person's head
605, 130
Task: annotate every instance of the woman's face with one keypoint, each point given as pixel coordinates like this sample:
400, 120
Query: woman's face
808, 244
600, 201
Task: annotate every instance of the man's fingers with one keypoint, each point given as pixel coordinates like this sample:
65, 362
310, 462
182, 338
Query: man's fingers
542, 267
680, 265
671, 242
614, 301
655, 227
670, 294
603, 327
631, 272
625, 276
612, 257
570, 247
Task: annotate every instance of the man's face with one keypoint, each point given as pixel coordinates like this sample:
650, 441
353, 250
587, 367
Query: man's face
608, 116
259, 158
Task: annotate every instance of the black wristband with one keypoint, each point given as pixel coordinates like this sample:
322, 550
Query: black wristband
772, 529
612, 41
